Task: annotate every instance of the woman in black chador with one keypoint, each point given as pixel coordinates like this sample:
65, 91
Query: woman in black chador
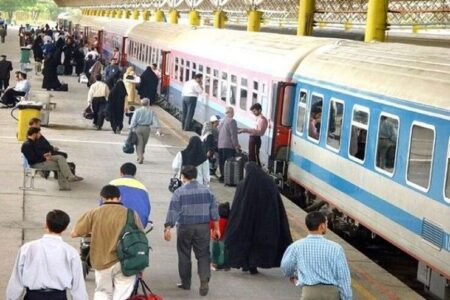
50, 81
258, 230
116, 106
149, 85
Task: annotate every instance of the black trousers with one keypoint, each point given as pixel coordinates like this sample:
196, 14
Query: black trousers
196, 237
98, 107
254, 145
189, 104
45, 295
224, 154
4, 83
10, 97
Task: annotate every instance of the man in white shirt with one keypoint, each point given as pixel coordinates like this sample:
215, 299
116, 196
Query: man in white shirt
22, 88
191, 90
45, 268
97, 97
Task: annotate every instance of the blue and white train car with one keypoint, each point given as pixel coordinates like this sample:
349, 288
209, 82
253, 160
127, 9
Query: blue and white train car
396, 185
239, 69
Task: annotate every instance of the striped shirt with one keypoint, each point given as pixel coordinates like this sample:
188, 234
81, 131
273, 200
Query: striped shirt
193, 203
316, 260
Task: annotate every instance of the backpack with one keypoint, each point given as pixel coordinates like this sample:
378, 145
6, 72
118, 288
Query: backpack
132, 247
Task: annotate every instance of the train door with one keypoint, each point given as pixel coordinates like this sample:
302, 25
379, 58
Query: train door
282, 127
123, 52
100, 42
165, 71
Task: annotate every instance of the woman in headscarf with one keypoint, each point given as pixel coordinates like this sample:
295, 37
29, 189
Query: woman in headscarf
38, 53
79, 60
50, 81
258, 230
193, 155
96, 69
129, 78
116, 106
149, 85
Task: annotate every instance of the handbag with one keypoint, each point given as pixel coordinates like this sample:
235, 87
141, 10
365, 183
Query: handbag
147, 293
174, 183
132, 138
88, 113
128, 148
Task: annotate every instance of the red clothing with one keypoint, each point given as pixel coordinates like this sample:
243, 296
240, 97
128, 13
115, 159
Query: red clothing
222, 226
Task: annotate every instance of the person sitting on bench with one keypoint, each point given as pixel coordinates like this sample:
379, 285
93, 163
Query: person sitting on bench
22, 88
47, 161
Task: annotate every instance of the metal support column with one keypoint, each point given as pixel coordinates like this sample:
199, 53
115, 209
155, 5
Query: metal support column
194, 18
220, 18
254, 20
306, 17
376, 20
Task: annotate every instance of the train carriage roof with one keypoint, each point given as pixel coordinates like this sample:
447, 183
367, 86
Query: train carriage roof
414, 73
120, 27
158, 33
273, 54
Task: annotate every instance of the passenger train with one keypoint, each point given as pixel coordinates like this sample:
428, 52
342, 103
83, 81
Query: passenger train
379, 151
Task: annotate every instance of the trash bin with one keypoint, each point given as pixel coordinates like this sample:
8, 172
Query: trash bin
25, 64
27, 111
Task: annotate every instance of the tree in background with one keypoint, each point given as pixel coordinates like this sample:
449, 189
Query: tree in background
10, 6
47, 7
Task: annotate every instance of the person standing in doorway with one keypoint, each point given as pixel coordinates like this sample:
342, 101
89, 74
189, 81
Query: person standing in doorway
5, 72
191, 90
191, 208
317, 264
228, 142
254, 141
148, 85
143, 119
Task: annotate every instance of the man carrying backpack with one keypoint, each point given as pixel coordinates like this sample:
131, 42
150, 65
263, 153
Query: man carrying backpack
106, 224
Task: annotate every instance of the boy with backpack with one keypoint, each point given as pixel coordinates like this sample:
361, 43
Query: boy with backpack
113, 227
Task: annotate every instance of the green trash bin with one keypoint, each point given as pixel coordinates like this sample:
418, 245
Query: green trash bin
25, 64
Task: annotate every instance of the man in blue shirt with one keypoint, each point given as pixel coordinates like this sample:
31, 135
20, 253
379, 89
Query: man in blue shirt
133, 193
192, 207
317, 264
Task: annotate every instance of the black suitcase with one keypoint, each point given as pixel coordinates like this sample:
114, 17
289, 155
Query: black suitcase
60, 69
234, 170
63, 88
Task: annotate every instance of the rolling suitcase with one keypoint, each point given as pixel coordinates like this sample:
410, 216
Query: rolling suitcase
234, 170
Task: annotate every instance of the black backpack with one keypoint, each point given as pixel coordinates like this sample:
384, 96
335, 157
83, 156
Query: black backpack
132, 247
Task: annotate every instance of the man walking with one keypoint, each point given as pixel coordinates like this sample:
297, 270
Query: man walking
254, 141
47, 161
192, 207
45, 268
5, 72
319, 265
228, 139
191, 90
143, 119
133, 193
105, 224
97, 98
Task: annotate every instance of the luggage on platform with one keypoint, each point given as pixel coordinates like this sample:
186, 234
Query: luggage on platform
60, 69
63, 88
234, 170
83, 78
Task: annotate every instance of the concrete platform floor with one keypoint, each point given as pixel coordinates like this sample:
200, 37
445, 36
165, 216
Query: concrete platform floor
98, 156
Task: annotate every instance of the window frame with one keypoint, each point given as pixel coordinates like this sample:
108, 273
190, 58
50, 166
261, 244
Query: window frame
240, 88
298, 108
309, 116
447, 169
381, 170
229, 89
328, 146
408, 182
366, 110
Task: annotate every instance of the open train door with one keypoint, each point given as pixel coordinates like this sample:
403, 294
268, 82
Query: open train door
282, 129
165, 72
123, 53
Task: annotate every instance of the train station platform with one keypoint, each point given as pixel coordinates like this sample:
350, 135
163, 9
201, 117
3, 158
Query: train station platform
98, 156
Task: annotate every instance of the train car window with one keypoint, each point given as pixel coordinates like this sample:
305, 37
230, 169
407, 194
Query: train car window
301, 111
335, 120
188, 70
176, 67
194, 70
420, 155
255, 92
387, 143
358, 135
243, 94
181, 70
224, 86
315, 116
232, 90
215, 86
207, 83
447, 180
263, 97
